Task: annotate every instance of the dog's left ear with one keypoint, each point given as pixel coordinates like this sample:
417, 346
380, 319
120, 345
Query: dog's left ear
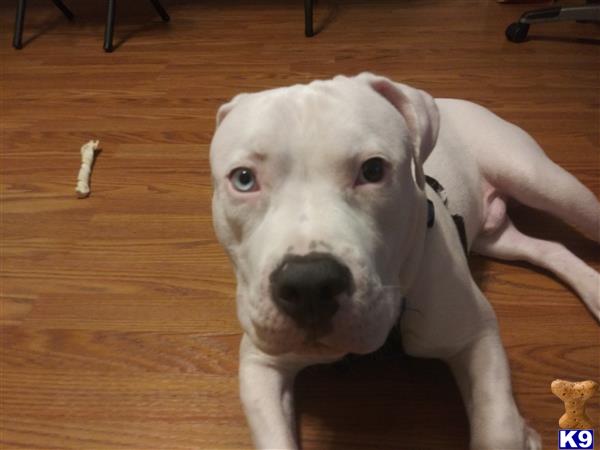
227, 107
419, 111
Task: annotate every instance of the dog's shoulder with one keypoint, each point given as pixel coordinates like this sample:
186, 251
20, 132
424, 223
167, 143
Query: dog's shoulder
444, 308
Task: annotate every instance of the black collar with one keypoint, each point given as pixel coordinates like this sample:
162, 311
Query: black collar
430, 213
458, 220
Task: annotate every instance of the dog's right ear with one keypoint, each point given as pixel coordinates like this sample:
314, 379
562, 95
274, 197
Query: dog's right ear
419, 111
227, 107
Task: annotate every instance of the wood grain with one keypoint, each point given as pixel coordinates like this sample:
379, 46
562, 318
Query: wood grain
118, 325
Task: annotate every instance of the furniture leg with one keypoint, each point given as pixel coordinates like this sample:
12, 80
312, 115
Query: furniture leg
20, 19
308, 18
110, 26
160, 10
66, 11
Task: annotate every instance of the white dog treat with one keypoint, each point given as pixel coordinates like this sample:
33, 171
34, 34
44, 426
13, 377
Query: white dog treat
87, 160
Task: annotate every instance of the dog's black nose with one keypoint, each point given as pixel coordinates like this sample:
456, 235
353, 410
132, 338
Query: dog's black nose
306, 287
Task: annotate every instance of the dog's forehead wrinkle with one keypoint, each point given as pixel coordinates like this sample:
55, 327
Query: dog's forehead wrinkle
315, 125
324, 106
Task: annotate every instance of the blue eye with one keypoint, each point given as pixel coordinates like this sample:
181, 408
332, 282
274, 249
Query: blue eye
243, 180
371, 171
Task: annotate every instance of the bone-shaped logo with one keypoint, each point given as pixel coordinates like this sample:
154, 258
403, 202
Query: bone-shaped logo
574, 395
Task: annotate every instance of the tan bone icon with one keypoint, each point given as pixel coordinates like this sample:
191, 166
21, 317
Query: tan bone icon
574, 394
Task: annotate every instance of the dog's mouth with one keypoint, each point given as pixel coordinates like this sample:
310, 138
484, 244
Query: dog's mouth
298, 341
319, 348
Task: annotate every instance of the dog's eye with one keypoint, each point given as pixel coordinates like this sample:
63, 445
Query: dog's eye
371, 171
243, 180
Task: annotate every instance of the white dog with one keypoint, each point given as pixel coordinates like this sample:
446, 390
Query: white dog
321, 201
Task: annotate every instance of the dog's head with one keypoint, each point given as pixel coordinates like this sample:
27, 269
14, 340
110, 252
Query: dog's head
319, 201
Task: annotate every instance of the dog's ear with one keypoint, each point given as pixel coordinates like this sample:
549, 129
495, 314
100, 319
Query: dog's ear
419, 111
227, 107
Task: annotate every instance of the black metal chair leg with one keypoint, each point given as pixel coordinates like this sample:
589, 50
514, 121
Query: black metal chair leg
308, 18
19, 21
110, 26
66, 11
160, 10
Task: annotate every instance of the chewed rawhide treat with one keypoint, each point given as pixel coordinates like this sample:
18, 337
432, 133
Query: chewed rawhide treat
574, 395
88, 152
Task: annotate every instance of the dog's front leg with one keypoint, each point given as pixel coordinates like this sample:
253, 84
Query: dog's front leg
482, 373
266, 390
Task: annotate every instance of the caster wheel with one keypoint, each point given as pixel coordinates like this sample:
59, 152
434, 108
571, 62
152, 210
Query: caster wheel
517, 31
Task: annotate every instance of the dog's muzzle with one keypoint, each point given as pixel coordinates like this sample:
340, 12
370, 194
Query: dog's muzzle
307, 288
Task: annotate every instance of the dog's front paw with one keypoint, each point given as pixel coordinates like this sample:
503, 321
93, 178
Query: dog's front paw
532, 439
526, 438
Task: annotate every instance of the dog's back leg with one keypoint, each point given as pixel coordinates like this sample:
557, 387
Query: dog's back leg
535, 180
512, 162
506, 242
547, 186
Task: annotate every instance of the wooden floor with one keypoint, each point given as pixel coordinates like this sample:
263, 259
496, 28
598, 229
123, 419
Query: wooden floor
118, 320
